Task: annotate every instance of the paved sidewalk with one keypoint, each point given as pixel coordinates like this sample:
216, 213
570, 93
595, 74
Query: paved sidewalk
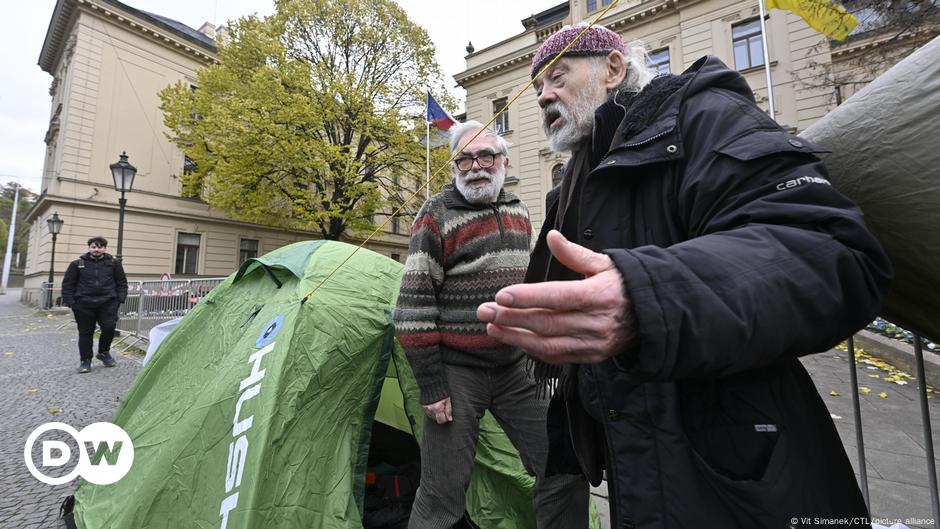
892, 432
38, 374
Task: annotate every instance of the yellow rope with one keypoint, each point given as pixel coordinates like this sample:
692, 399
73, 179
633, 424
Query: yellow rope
462, 147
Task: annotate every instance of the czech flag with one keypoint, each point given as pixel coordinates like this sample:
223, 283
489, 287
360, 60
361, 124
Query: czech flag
438, 116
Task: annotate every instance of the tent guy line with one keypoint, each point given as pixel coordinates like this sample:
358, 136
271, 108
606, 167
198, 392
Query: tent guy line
492, 120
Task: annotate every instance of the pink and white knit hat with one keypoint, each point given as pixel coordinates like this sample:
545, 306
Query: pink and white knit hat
597, 40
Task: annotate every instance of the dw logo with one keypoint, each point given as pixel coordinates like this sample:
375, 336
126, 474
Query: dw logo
105, 453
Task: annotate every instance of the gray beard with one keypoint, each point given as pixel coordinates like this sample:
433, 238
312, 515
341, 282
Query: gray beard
579, 121
566, 138
480, 194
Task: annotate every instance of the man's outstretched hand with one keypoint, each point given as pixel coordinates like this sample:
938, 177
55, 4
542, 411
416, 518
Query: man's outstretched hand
577, 322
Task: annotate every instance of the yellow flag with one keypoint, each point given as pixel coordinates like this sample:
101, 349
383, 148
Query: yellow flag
824, 16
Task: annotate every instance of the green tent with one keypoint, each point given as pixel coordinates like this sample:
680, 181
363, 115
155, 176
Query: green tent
257, 410
885, 158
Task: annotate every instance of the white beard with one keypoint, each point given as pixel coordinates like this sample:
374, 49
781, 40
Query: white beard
480, 193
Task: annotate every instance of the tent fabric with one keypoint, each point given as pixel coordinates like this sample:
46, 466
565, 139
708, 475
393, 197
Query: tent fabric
257, 409
885, 158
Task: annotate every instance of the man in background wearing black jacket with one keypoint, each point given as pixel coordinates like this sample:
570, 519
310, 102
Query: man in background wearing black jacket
94, 286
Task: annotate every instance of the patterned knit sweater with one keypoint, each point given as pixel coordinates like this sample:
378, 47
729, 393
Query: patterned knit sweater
461, 255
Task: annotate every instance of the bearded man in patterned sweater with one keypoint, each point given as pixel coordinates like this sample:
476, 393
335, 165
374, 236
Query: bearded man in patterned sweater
467, 242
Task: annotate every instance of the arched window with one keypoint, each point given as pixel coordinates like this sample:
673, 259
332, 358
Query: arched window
558, 171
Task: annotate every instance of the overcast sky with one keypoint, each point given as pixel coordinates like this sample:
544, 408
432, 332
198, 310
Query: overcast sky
24, 92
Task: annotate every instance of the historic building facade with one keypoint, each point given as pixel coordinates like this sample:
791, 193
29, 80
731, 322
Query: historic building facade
810, 75
108, 62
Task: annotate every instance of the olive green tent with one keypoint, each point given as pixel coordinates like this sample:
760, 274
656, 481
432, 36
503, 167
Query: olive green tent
258, 409
885, 157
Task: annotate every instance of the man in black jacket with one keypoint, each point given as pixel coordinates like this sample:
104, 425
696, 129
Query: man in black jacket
693, 252
94, 286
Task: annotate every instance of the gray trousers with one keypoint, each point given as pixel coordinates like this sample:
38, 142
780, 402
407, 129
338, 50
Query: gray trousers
447, 450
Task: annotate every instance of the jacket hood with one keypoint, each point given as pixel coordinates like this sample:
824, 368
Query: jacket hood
709, 72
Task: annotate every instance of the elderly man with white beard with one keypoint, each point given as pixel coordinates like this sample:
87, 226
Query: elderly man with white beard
467, 242
679, 276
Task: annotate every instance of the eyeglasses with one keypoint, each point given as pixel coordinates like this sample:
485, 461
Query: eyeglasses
483, 159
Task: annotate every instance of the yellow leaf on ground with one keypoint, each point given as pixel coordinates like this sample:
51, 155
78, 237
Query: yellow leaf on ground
864, 390
834, 393
883, 395
55, 411
873, 376
8, 353
900, 382
31, 390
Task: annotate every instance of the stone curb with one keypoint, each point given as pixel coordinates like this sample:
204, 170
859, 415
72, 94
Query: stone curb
900, 355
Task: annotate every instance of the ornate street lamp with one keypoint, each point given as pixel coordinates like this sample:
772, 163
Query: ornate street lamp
123, 174
55, 226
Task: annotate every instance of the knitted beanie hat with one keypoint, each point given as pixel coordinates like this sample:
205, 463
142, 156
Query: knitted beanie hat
597, 40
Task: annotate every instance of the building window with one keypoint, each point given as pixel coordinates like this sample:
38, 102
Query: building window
592, 4
187, 252
192, 89
558, 172
501, 125
247, 249
189, 165
658, 62
748, 47
396, 224
396, 257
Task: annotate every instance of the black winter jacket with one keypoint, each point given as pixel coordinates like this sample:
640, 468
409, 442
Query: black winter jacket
90, 281
738, 257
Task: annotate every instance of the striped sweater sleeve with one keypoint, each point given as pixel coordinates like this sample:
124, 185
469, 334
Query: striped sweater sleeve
417, 311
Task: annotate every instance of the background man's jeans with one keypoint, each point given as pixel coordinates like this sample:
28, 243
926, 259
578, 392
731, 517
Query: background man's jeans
447, 450
105, 316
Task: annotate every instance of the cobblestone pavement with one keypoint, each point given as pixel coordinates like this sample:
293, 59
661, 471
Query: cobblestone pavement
40, 383
38, 375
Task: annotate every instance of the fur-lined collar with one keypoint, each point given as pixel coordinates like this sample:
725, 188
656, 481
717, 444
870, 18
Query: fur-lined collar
631, 112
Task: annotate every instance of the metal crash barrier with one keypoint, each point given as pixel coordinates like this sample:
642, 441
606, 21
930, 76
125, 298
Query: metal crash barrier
925, 418
148, 304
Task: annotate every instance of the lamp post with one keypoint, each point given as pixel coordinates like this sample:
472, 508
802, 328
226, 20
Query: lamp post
123, 174
55, 226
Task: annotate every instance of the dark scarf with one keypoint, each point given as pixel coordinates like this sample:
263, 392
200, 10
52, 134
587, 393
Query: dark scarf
618, 119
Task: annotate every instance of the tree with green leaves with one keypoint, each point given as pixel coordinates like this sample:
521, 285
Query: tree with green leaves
308, 121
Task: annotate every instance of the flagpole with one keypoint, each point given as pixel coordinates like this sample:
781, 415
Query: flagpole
427, 160
770, 83
9, 253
